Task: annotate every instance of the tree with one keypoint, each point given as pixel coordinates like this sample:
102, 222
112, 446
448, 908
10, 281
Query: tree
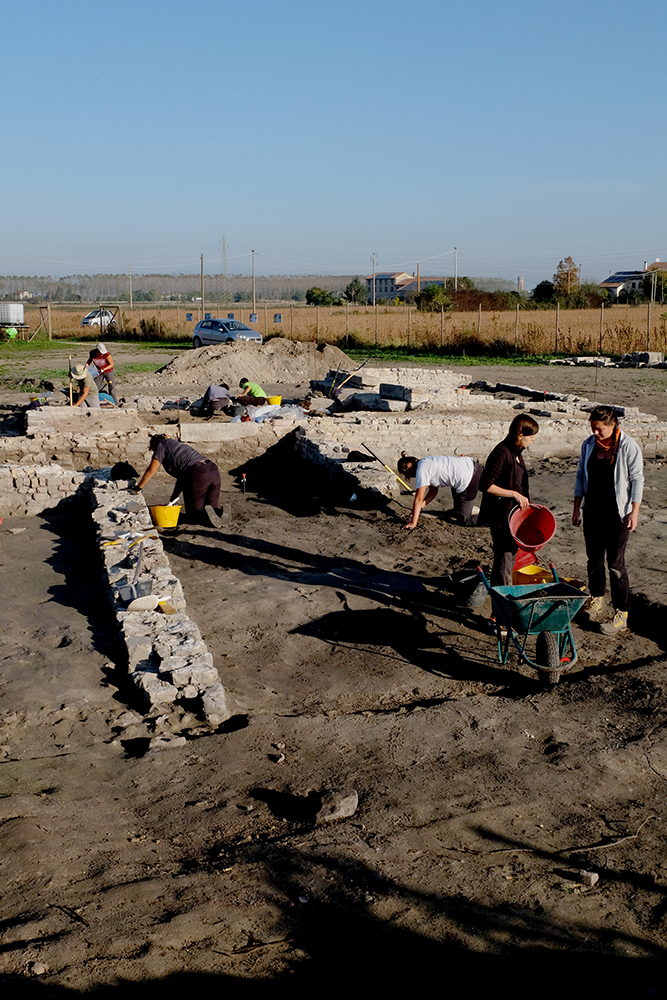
433, 298
566, 278
319, 297
356, 292
544, 292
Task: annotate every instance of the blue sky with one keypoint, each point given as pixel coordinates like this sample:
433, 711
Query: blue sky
315, 134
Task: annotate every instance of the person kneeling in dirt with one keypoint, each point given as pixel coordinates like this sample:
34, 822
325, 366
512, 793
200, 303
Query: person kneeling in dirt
197, 478
462, 475
253, 394
216, 398
88, 391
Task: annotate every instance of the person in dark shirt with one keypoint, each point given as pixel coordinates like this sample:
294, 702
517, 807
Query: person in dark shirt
197, 478
504, 484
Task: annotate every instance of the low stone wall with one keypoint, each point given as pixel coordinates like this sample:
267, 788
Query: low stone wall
168, 661
31, 489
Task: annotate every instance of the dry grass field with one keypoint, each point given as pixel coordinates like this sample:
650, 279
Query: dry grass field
573, 331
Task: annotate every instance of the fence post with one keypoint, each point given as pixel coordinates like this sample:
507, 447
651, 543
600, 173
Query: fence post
376, 324
318, 324
158, 321
557, 318
442, 327
648, 328
409, 318
516, 330
601, 327
479, 320
347, 323
178, 321
291, 321
266, 321
48, 319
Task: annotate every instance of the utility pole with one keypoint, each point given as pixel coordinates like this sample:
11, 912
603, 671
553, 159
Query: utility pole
202, 286
374, 258
254, 307
129, 269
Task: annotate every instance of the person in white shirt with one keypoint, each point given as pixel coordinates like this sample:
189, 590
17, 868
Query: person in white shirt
461, 474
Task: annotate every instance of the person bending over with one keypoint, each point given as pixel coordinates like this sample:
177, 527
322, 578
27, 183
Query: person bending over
461, 474
100, 361
197, 478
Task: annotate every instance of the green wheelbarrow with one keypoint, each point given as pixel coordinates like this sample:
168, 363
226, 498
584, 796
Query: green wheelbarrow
543, 610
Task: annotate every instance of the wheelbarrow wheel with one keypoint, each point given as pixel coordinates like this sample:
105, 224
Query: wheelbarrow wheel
548, 656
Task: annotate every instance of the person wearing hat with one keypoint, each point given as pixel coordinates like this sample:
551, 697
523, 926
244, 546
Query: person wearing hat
253, 394
101, 361
88, 391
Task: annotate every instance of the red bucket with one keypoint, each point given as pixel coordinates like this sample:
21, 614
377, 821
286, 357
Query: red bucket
531, 529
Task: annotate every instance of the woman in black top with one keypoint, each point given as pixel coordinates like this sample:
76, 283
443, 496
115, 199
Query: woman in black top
504, 484
197, 478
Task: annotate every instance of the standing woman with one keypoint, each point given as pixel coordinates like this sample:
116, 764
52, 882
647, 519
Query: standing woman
504, 484
197, 478
610, 481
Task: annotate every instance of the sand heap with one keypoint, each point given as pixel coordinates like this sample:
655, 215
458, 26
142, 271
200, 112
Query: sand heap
278, 360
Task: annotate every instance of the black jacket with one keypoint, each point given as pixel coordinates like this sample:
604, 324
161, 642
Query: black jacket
504, 467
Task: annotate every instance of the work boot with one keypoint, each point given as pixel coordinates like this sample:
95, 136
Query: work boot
214, 516
593, 607
619, 623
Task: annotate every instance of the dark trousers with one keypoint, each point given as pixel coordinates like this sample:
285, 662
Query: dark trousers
465, 501
605, 535
101, 383
200, 485
504, 553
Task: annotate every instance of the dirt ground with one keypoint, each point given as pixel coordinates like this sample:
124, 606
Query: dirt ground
481, 792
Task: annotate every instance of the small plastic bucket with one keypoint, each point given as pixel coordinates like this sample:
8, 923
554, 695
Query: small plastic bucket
165, 517
274, 400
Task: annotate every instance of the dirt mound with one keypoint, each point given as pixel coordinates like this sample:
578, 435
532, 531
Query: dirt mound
278, 360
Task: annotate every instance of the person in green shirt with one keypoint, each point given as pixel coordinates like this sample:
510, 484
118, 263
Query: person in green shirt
253, 394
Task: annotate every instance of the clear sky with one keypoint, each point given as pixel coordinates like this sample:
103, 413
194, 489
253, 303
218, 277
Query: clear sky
140, 133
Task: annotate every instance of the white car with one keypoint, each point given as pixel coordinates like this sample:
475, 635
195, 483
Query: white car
98, 317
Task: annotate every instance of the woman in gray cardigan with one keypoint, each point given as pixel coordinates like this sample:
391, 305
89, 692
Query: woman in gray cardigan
610, 481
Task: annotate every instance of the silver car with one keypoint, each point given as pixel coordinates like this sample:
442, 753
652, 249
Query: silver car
223, 331
98, 317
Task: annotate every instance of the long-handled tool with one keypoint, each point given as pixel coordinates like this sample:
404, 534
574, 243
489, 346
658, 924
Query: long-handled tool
138, 596
333, 382
347, 379
70, 379
377, 459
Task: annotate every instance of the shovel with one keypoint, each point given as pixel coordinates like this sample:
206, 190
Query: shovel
138, 596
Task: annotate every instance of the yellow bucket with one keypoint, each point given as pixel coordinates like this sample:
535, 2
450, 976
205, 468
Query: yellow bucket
531, 574
274, 400
165, 517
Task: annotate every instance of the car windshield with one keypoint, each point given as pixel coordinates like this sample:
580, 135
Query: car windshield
233, 324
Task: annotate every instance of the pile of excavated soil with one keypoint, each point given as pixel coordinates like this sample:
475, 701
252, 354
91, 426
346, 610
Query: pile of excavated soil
276, 361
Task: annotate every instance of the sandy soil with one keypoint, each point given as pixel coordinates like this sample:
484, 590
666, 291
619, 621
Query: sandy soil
481, 792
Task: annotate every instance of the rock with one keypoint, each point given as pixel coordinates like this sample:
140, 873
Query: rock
214, 704
586, 878
336, 803
37, 968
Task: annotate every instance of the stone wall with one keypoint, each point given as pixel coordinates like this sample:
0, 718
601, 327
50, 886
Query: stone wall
168, 661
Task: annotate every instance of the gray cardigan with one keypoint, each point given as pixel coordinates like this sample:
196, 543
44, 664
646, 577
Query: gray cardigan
628, 473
